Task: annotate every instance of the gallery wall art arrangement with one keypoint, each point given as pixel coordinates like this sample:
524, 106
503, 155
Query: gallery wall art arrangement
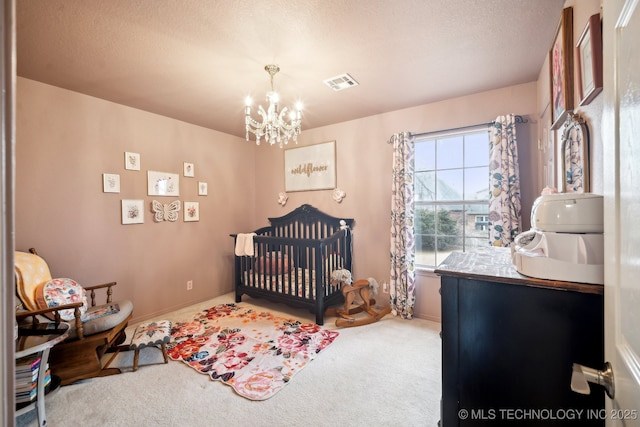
162, 184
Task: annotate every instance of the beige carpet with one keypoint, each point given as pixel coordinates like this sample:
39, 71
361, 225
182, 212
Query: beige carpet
385, 374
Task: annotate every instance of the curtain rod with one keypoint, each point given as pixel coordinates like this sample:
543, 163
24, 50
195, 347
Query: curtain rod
519, 120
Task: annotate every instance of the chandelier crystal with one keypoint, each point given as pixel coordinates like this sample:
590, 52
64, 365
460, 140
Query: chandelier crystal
274, 126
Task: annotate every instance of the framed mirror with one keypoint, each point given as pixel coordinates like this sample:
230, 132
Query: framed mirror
574, 155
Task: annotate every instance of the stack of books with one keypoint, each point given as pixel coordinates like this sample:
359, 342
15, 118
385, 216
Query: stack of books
27, 369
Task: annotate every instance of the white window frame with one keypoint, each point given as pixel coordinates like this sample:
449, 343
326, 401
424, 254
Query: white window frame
464, 201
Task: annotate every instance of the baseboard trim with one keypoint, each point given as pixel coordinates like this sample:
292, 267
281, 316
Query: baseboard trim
427, 317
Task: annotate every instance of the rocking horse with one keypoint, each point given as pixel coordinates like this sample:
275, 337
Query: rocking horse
365, 288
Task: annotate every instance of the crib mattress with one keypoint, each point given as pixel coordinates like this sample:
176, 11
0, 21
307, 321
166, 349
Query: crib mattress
298, 282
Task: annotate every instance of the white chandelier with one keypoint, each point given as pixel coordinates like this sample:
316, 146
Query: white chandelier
274, 127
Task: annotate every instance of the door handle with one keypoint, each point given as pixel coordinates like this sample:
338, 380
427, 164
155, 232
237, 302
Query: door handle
582, 376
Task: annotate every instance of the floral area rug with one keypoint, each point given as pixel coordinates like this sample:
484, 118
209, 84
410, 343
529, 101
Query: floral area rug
254, 352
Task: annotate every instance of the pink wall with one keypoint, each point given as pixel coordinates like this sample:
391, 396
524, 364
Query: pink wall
66, 141
364, 173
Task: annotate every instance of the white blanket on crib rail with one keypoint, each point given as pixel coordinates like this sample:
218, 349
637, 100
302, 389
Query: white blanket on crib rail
244, 244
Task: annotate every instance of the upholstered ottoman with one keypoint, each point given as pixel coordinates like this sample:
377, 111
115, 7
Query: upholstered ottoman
151, 334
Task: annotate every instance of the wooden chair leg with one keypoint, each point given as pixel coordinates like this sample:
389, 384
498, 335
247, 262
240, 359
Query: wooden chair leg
164, 353
113, 356
136, 354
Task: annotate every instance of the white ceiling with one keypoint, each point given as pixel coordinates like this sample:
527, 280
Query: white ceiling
196, 60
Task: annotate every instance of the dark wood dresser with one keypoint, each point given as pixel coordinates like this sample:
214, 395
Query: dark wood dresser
509, 343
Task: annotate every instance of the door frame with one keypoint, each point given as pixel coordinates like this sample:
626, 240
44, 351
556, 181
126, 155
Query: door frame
7, 303
625, 363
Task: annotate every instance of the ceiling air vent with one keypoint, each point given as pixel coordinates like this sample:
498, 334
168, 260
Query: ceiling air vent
343, 81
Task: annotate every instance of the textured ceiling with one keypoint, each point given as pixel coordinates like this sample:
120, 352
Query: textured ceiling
196, 60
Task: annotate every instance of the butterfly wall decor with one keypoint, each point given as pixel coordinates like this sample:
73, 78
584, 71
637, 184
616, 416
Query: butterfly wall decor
168, 212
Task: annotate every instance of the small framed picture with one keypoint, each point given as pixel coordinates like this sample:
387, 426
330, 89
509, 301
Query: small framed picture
163, 184
131, 161
191, 211
188, 169
132, 211
110, 183
589, 60
202, 189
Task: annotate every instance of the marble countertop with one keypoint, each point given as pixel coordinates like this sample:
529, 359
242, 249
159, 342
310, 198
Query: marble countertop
494, 264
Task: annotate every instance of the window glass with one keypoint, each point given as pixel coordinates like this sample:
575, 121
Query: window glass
450, 233
476, 149
449, 184
451, 194
425, 186
476, 183
450, 152
425, 158
425, 234
477, 222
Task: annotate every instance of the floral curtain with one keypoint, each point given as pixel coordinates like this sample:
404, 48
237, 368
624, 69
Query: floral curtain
402, 287
504, 182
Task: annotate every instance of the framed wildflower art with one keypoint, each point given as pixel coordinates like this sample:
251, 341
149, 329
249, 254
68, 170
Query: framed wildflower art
312, 167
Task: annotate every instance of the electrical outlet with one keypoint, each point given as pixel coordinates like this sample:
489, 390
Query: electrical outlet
190, 285
385, 287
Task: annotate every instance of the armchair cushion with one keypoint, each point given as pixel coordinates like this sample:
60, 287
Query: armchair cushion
57, 292
103, 317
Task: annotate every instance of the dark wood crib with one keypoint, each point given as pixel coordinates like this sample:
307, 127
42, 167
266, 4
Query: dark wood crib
291, 260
